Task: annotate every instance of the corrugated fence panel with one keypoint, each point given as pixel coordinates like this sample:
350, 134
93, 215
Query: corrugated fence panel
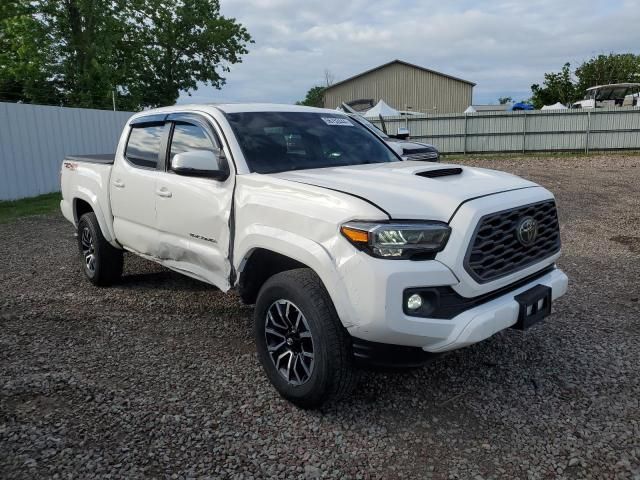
35, 138
550, 130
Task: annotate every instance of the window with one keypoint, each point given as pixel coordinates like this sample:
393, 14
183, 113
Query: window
283, 141
143, 146
188, 137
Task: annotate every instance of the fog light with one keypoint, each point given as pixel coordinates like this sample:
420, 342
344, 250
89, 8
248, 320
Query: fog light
414, 302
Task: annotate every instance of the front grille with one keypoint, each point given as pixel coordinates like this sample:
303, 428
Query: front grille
429, 156
496, 251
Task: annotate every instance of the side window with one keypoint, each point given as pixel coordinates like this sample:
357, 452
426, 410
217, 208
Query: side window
188, 137
143, 147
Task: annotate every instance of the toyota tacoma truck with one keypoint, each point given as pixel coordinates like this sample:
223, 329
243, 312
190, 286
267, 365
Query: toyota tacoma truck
351, 256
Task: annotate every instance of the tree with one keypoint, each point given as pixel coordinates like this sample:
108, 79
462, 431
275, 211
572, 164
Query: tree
315, 95
566, 88
144, 51
189, 42
557, 87
314, 98
505, 100
605, 69
328, 78
84, 37
24, 53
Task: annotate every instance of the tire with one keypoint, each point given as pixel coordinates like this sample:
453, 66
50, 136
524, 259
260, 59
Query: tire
101, 262
307, 382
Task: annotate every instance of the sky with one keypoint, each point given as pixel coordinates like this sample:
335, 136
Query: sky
503, 46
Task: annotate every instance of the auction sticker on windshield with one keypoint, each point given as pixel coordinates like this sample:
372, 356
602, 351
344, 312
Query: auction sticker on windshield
343, 122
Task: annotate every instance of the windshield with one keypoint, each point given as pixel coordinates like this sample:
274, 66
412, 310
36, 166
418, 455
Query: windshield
282, 141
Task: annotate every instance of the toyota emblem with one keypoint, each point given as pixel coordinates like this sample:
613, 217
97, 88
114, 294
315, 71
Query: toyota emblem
527, 231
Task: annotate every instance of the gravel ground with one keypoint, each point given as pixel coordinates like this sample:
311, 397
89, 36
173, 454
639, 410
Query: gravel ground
158, 377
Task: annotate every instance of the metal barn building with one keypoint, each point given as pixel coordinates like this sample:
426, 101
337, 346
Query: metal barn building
404, 86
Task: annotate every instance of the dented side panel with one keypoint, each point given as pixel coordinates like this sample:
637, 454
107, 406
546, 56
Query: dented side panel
301, 222
193, 226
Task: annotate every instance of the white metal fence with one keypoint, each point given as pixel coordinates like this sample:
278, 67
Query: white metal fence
35, 138
521, 131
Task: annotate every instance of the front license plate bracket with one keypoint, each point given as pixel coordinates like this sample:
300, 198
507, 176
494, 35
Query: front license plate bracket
535, 304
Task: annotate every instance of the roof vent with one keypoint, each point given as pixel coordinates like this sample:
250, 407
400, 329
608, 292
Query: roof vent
440, 172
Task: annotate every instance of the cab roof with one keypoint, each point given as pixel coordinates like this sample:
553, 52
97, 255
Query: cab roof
228, 108
268, 107
240, 107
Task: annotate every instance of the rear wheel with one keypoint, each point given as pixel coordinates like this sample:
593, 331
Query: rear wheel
302, 345
101, 262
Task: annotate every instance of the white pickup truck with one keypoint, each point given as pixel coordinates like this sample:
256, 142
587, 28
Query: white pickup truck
350, 255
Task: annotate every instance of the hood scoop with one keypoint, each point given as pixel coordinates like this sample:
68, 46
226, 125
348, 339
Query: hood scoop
440, 172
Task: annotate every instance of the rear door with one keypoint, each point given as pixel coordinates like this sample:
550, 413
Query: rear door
193, 212
133, 184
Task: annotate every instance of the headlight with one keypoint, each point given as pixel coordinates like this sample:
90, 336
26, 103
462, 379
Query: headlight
405, 240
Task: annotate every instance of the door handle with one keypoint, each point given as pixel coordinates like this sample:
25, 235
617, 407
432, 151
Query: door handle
163, 192
118, 183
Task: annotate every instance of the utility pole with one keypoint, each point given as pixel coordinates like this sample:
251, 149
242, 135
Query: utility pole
113, 98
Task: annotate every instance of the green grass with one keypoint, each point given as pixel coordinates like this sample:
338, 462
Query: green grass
40, 205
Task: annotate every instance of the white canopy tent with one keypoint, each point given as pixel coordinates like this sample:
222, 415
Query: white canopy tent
470, 109
383, 109
555, 106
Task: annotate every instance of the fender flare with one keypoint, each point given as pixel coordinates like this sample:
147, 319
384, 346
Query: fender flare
308, 252
86, 195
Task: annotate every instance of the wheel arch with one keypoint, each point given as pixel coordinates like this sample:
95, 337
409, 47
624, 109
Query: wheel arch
84, 203
258, 266
263, 256
80, 207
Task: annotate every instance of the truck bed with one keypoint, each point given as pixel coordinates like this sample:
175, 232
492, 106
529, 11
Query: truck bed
87, 178
102, 158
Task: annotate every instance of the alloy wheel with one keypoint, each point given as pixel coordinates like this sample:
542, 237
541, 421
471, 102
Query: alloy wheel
88, 249
289, 342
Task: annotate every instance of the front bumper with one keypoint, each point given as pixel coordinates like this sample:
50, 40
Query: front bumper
436, 335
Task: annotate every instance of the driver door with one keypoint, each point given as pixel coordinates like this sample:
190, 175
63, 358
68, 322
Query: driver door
193, 212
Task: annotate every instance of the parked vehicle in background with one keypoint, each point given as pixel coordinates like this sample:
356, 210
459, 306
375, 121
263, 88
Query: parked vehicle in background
520, 106
350, 255
613, 95
407, 149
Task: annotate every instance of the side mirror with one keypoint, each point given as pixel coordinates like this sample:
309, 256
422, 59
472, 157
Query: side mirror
201, 163
403, 133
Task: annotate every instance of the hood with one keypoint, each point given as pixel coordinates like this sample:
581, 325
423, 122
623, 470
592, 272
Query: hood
407, 147
398, 189
416, 147
419, 151
422, 152
413, 145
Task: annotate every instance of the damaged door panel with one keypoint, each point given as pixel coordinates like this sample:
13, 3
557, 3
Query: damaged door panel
193, 207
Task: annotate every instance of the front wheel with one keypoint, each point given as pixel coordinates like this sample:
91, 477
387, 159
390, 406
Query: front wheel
101, 262
302, 345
